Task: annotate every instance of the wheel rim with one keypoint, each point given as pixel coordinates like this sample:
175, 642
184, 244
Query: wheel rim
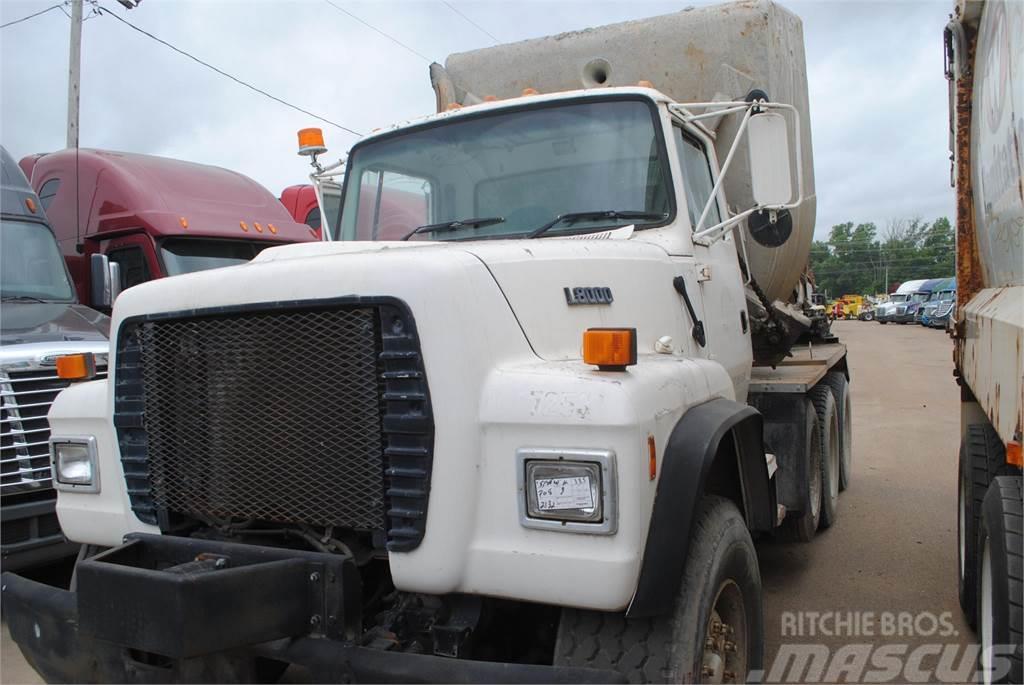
961, 525
985, 623
727, 641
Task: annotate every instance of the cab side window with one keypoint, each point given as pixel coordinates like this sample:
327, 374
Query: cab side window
696, 178
47, 192
134, 269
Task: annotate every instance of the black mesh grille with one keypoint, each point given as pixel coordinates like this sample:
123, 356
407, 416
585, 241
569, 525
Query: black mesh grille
276, 415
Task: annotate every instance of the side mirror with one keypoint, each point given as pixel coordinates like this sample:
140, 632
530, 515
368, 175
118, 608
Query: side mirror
769, 159
104, 281
115, 282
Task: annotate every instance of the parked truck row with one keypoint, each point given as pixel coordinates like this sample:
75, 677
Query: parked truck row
544, 382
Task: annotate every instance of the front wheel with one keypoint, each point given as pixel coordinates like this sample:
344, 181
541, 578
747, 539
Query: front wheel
712, 633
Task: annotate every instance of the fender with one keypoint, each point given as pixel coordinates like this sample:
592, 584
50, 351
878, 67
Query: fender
686, 465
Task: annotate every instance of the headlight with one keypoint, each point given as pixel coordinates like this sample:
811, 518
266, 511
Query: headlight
74, 464
572, 490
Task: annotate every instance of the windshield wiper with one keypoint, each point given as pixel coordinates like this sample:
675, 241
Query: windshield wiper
573, 217
456, 224
22, 298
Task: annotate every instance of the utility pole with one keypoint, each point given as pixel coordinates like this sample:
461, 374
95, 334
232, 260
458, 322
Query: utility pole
74, 72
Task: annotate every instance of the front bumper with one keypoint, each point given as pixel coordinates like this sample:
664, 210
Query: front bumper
130, 622
31, 534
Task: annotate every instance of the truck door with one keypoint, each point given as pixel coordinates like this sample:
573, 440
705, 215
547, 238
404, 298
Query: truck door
718, 276
137, 258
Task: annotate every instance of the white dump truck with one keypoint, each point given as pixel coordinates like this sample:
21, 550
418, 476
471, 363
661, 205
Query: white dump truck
519, 421
985, 67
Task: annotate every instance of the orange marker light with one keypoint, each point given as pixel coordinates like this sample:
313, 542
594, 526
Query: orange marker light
31, 204
244, 226
610, 349
529, 91
273, 228
259, 229
490, 98
311, 141
184, 222
1013, 454
645, 84
652, 458
76, 367
453, 106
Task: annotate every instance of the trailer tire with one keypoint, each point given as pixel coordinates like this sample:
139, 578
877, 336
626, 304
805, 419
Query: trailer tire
982, 458
802, 526
831, 456
721, 579
836, 380
999, 582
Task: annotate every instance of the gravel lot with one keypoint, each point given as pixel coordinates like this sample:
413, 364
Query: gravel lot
893, 548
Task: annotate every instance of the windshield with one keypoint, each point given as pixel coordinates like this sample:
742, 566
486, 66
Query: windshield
31, 264
919, 297
185, 255
898, 298
525, 168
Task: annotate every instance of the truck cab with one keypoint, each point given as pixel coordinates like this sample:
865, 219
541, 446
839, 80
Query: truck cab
154, 216
40, 320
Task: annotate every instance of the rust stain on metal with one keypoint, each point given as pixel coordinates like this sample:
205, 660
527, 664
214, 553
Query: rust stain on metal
968, 264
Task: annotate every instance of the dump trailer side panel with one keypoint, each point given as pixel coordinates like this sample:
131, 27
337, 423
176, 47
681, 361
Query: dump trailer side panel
990, 197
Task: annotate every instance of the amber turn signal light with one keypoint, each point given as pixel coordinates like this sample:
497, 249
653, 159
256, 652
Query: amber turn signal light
76, 367
610, 349
1013, 453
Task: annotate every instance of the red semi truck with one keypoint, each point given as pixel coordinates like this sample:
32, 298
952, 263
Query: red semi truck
154, 216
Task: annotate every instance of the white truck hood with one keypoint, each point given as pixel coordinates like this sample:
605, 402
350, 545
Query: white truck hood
531, 274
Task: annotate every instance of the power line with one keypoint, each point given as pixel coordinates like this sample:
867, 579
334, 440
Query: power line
482, 29
237, 80
31, 16
374, 28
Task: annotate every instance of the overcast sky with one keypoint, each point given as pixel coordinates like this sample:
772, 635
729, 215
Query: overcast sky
877, 94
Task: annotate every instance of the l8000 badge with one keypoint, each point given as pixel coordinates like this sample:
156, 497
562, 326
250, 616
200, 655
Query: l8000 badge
595, 295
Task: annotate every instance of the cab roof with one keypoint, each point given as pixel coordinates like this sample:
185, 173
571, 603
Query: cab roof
121, 192
652, 94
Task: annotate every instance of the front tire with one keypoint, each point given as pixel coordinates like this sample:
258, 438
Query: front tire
982, 458
999, 595
714, 631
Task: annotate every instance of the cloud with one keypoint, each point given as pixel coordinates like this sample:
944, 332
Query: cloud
878, 97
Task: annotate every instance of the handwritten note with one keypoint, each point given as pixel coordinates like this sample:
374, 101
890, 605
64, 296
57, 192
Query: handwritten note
554, 494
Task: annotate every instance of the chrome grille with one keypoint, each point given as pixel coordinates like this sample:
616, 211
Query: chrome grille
25, 399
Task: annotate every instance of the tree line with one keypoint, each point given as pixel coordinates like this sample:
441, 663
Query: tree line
857, 260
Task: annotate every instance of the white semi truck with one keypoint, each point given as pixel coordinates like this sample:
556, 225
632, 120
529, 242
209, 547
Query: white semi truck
985, 67
519, 421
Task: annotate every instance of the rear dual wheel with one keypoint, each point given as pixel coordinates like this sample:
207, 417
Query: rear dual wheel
999, 588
